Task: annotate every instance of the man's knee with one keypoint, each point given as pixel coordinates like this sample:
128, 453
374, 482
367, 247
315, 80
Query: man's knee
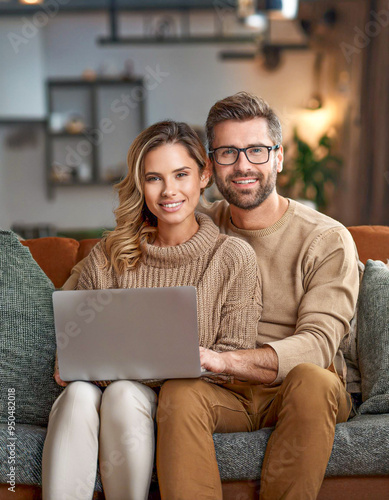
308, 383
309, 374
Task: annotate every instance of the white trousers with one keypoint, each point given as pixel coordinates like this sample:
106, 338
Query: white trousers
115, 426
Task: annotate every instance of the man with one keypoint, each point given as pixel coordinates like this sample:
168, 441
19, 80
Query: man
294, 380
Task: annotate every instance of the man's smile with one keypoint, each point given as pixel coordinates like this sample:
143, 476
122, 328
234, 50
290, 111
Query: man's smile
245, 181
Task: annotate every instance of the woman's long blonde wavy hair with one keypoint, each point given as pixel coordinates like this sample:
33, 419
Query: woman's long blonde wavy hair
135, 224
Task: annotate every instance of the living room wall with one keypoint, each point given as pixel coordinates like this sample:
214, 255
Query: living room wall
193, 79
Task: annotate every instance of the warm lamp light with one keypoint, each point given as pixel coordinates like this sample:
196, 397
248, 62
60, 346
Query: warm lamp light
313, 123
314, 102
31, 2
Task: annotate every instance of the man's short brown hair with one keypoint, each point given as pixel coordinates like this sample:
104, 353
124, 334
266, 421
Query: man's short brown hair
243, 106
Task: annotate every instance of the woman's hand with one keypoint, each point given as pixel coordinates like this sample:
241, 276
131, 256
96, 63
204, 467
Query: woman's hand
58, 379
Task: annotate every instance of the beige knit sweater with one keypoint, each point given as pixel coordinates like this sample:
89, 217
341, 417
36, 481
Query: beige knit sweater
223, 269
309, 275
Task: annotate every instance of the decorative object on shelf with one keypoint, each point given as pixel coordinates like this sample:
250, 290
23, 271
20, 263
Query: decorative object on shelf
89, 74
161, 26
129, 69
57, 121
115, 173
310, 173
107, 69
62, 174
75, 124
84, 172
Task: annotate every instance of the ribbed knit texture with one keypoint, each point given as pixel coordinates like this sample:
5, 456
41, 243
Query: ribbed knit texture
27, 336
309, 276
223, 269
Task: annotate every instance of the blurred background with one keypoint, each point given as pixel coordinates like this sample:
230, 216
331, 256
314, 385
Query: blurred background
79, 79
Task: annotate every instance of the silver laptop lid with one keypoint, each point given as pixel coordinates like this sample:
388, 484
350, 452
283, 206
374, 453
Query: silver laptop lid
138, 333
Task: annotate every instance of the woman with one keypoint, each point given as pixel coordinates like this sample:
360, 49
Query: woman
159, 240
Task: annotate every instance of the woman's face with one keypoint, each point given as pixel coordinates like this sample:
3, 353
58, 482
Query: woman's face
172, 183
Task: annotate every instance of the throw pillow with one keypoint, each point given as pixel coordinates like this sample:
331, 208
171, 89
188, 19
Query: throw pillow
27, 338
373, 338
349, 348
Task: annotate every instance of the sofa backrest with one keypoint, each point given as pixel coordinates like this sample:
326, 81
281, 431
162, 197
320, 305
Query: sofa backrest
372, 242
56, 256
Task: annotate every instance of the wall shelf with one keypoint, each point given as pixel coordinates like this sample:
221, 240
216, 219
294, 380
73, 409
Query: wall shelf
111, 115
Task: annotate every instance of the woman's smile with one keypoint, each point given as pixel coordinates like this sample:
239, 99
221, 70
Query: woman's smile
172, 206
172, 189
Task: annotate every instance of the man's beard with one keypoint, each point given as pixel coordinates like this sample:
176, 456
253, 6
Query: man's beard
246, 199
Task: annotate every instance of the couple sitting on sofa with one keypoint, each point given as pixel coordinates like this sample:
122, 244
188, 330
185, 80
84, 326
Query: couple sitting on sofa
282, 359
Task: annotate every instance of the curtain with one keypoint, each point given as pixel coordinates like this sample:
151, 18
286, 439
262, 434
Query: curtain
372, 197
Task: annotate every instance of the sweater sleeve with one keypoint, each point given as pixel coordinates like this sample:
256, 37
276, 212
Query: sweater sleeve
242, 308
90, 276
71, 282
331, 285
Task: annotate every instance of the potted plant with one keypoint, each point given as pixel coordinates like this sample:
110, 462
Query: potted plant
310, 173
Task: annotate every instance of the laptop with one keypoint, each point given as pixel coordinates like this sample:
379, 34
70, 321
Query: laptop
133, 334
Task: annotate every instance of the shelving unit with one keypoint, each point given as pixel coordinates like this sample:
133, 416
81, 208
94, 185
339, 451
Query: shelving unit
90, 127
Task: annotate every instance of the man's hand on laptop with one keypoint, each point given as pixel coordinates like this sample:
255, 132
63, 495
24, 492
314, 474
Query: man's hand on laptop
253, 366
212, 361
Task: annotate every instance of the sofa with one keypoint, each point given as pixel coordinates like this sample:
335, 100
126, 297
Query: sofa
359, 464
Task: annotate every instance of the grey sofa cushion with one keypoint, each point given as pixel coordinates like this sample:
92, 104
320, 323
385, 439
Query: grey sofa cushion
27, 339
373, 338
30, 439
360, 448
349, 348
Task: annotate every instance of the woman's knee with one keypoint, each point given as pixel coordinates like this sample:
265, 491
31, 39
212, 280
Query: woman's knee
81, 393
129, 395
79, 398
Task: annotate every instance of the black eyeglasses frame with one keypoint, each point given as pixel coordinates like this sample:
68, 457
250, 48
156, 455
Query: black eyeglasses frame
244, 150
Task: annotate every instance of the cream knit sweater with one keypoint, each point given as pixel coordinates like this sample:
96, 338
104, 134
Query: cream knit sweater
223, 269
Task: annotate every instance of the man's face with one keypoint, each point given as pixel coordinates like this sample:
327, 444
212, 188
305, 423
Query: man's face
245, 184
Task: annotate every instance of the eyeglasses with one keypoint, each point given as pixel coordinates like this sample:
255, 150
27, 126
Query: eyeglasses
254, 154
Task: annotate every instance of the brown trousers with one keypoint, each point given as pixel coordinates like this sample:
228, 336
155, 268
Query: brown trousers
304, 410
